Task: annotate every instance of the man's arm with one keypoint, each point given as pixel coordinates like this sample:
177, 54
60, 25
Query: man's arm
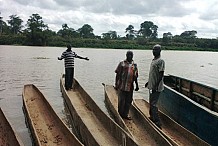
80, 57
118, 76
146, 84
137, 85
161, 74
135, 78
62, 57
117, 81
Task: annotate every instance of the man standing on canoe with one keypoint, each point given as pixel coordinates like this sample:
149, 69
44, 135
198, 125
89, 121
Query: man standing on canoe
126, 74
68, 57
155, 83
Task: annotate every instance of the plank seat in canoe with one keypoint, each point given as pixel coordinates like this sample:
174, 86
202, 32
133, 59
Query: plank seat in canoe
46, 128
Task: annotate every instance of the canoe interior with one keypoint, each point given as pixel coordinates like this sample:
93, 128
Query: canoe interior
202, 94
174, 132
139, 127
45, 126
8, 137
194, 117
91, 124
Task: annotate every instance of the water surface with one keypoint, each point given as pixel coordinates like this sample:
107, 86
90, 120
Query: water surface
20, 65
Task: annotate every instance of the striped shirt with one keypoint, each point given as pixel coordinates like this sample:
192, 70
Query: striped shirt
127, 73
157, 65
68, 57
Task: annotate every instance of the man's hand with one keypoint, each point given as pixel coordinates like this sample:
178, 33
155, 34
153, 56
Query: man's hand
137, 88
115, 88
146, 85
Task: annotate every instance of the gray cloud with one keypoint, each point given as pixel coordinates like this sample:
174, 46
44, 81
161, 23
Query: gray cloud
115, 7
211, 13
103, 15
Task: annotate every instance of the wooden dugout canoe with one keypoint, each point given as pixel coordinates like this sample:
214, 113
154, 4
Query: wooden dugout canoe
192, 105
8, 136
92, 125
139, 127
46, 128
176, 134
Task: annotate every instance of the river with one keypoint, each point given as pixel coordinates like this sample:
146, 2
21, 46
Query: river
20, 65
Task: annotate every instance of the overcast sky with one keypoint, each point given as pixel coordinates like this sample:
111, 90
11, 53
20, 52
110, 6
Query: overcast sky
175, 16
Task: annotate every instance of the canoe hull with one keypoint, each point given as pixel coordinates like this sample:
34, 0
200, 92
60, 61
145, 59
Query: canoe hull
191, 115
45, 126
139, 127
7, 134
78, 100
174, 132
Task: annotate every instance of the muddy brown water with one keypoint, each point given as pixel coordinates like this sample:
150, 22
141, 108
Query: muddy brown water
21, 65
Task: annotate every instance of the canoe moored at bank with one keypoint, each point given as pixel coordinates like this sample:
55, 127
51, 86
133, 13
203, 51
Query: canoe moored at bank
8, 136
175, 133
45, 126
92, 125
192, 105
139, 127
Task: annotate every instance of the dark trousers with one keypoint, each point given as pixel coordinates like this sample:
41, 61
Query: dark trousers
69, 73
124, 102
153, 99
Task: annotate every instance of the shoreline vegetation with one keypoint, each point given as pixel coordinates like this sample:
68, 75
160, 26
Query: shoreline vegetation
37, 33
142, 44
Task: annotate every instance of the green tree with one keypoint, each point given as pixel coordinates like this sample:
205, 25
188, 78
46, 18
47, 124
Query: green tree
86, 31
67, 32
167, 37
130, 32
35, 28
3, 26
148, 30
15, 24
110, 35
106, 36
154, 33
189, 34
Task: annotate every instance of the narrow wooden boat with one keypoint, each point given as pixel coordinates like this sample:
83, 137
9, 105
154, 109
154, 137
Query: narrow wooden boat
46, 127
192, 105
139, 127
175, 133
93, 126
202, 94
8, 136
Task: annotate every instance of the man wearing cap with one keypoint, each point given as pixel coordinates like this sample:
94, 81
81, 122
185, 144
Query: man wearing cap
126, 75
68, 57
155, 83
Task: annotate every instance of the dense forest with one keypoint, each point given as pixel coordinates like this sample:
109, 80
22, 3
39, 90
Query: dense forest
36, 33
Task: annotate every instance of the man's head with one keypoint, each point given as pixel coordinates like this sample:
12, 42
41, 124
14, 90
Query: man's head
129, 56
69, 46
156, 50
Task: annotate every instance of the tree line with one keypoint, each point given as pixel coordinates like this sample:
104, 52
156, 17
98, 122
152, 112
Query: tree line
36, 33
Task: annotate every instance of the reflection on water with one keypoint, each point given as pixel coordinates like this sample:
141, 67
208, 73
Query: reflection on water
39, 66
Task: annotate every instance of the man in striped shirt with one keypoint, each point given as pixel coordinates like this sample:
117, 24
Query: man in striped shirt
68, 57
126, 75
155, 83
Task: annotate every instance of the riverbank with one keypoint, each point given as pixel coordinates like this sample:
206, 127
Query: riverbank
187, 44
